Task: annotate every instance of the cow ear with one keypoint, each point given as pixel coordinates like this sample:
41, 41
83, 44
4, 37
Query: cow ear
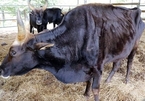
43, 46
21, 28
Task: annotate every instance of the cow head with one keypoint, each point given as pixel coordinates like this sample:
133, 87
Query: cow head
37, 14
21, 57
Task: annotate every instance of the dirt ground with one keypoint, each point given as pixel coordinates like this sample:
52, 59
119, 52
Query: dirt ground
40, 85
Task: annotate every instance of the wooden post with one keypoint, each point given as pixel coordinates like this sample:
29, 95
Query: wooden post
85, 1
77, 2
138, 4
3, 18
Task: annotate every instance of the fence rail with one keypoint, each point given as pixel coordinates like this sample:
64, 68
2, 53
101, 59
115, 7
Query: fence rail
11, 21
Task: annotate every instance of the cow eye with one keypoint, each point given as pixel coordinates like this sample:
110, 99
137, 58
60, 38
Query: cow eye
13, 53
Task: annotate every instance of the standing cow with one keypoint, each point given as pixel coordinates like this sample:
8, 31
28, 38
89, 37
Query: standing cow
36, 18
39, 17
88, 37
53, 15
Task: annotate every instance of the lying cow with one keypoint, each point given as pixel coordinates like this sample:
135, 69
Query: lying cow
78, 51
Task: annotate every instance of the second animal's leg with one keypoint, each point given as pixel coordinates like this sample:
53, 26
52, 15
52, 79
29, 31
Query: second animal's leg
39, 29
53, 25
31, 29
45, 27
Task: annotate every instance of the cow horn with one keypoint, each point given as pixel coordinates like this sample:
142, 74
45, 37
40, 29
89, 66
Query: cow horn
30, 6
43, 46
45, 6
21, 28
25, 16
26, 19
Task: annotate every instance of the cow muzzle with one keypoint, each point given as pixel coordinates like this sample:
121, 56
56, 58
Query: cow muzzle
38, 22
1, 73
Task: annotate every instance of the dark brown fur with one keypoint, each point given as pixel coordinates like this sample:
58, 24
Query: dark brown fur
88, 37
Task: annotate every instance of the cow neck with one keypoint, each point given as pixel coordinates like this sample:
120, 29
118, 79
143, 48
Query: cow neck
51, 34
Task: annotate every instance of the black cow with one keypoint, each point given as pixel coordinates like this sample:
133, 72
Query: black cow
53, 15
36, 18
39, 17
88, 37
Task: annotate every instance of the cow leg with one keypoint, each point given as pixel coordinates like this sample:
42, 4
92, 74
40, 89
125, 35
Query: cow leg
42, 27
33, 30
39, 29
96, 83
45, 27
31, 27
116, 65
53, 25
87, 91
129, 63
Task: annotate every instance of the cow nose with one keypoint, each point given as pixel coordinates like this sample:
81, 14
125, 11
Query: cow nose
38, 22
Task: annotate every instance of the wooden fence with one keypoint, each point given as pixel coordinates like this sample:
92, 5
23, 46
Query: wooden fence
10, 21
